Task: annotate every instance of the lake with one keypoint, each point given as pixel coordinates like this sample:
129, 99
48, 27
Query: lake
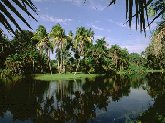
115, 99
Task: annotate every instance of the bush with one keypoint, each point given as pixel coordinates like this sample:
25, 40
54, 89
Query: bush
135, 69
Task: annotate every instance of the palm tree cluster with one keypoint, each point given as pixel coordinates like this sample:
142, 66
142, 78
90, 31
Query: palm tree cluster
31, 52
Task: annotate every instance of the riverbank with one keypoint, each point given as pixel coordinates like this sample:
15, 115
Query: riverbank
71, 76
140, 72
68, 76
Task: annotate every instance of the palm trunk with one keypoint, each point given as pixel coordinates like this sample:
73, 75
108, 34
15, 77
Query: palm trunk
42, 69
77, 66
33, 66
61, 64
58, 63
50, 67
64, 70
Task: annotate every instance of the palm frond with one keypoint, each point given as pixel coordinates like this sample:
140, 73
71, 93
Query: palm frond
141, 12
6, 17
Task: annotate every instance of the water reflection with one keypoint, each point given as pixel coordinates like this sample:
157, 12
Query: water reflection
156, 112
111, 99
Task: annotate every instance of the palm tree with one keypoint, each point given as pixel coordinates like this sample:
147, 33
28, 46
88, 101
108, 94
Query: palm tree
83, 38
57, 35
124, 59
115, 55
45, 46
100, 55
43, 43
101, 47
68, 51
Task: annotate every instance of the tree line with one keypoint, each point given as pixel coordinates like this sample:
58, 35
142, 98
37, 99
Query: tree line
29, 53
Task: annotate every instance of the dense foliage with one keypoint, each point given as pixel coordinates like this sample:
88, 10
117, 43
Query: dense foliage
155, 52
29, 53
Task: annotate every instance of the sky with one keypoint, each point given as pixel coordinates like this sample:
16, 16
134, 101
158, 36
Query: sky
105, 21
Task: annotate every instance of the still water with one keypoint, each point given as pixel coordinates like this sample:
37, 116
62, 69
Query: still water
116, 99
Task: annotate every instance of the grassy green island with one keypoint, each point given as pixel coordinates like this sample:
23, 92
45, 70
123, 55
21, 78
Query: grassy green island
69, 76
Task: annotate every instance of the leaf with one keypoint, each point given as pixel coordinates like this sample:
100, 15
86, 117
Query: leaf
12, 8
7, 19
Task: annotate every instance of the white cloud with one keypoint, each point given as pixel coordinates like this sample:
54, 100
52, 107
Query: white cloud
55, 19
98, 37
138, 48
97, 5
40, 0
97, 28
132, 44
77, 2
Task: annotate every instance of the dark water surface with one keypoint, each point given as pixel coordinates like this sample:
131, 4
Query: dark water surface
114, 99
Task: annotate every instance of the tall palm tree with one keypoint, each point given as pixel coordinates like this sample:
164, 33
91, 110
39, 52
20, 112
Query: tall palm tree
45, 46
99, 55
83, 38
115, 54
43, 43
68, 51
57, 35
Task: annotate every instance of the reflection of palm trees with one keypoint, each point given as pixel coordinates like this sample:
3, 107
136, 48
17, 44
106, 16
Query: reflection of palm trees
156, 113
76, 100
156, 84
79, 105
156, 89
20, 98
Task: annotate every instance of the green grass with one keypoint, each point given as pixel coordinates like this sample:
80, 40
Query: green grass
69, 76
146, 71
153, 71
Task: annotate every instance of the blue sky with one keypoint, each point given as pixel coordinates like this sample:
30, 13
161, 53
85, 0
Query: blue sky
105, 21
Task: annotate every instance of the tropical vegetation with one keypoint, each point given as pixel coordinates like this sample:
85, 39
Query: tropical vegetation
79, 55
30, 53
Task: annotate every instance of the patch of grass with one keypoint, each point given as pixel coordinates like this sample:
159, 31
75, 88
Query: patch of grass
135, 71
69, 76
153, 71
